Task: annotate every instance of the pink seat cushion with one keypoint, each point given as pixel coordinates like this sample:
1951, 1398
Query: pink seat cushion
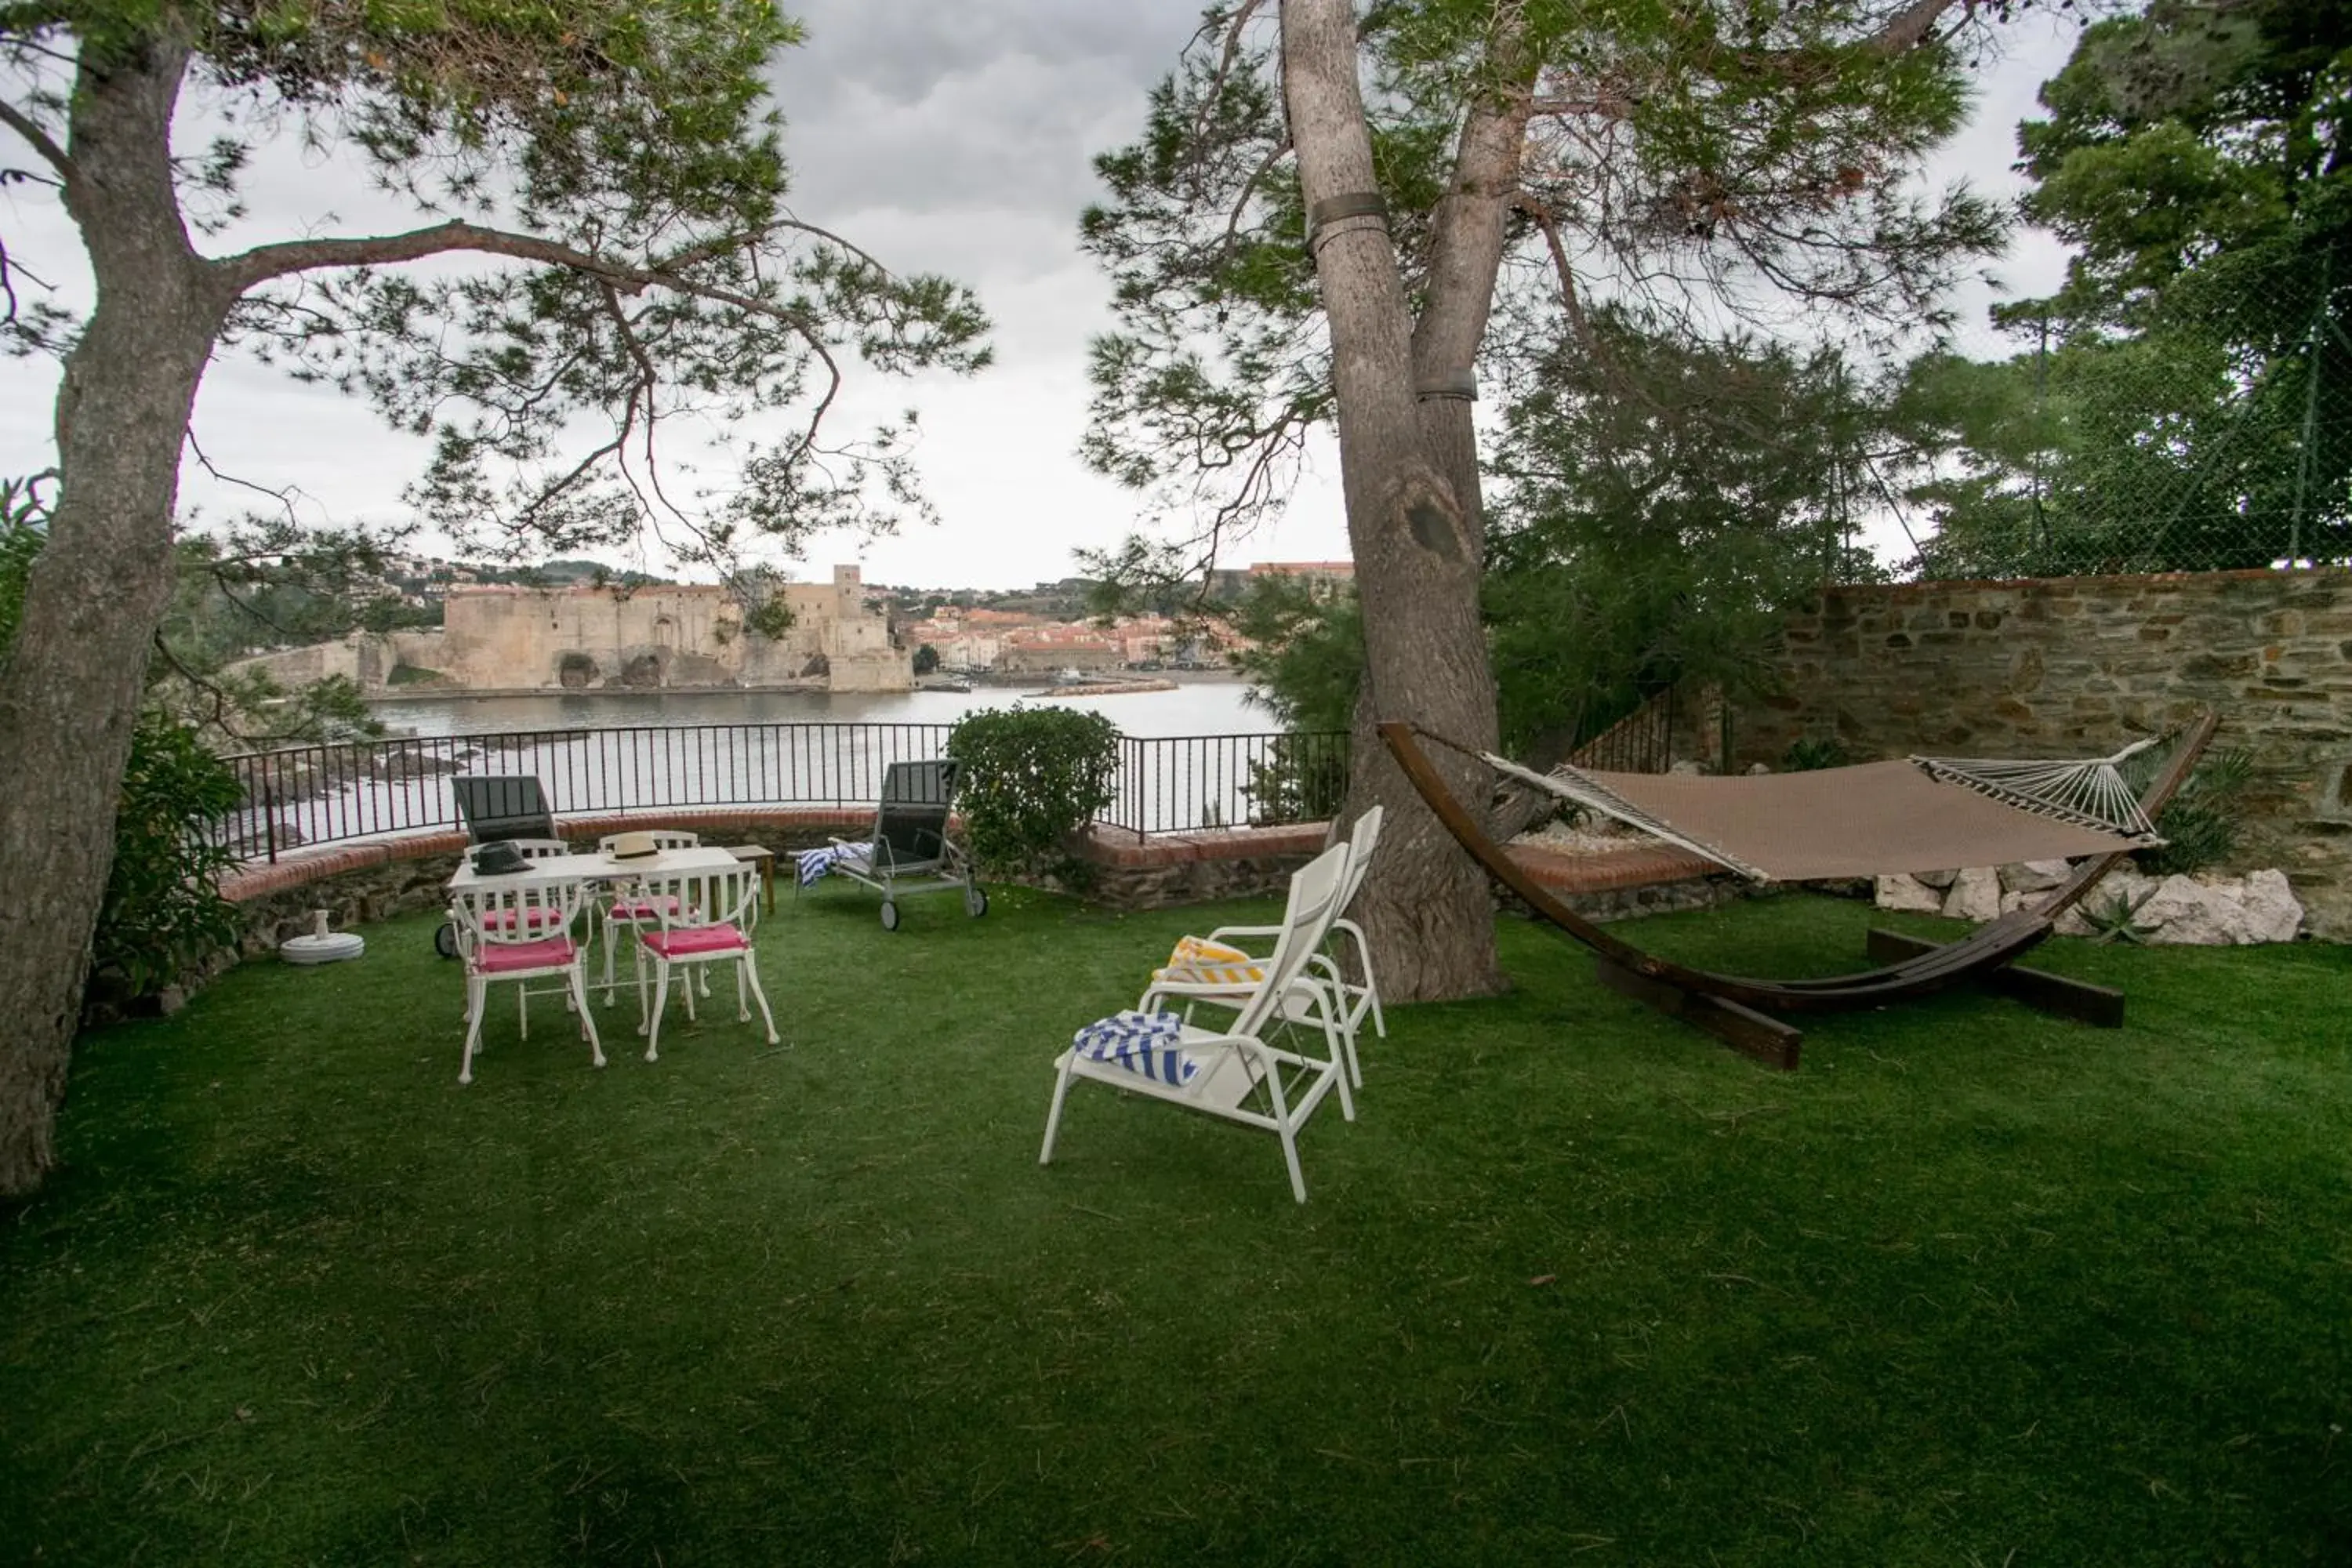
697, 940
497, 958
646, 909
532, 915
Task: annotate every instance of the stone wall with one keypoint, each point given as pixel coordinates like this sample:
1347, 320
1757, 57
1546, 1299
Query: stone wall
2079, 667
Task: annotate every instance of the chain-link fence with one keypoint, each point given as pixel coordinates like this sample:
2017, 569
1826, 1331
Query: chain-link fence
2206, 428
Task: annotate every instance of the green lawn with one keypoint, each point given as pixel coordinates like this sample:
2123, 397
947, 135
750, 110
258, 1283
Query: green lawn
1975, 1286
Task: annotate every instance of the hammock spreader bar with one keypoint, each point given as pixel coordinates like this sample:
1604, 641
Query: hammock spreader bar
2089, 794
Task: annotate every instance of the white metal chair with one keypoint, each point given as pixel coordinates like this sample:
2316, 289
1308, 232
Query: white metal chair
530, 914
1220, 1072
630, 907
520, 933
704, 917
1355, 999
527, 914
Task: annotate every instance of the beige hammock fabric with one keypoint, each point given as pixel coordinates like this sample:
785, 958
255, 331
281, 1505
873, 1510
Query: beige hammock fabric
1866, 821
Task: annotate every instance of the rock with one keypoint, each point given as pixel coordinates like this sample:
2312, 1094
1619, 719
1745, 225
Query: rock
1902, 892
2034, 876
2272, 912
1689, 768
1933, 879
170, 1000
1975, 895
2189, 913
1756, 768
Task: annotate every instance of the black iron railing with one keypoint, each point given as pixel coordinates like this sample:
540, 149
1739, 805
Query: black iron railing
366, 789
1643, 742
1177, 784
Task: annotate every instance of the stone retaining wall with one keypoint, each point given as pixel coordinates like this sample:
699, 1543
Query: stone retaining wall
2079, 665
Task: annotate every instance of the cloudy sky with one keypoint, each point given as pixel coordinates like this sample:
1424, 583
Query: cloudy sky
947, 138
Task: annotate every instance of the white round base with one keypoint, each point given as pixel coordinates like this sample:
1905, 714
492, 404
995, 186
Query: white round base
329, 949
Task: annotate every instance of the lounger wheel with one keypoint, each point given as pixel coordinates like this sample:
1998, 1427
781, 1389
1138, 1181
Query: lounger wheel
975, 902
445, 940
889, 915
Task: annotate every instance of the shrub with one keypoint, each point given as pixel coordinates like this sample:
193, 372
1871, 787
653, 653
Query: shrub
1303, 779
1812, 752
162, 914
1032, 778
2199, 824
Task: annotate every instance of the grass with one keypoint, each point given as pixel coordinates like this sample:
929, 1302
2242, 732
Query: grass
1975, 1286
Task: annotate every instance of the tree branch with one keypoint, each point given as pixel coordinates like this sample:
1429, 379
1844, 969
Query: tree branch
25, 126
1226, 58
1273, 155
1569, 299
284, 497
1909, 27
264, 262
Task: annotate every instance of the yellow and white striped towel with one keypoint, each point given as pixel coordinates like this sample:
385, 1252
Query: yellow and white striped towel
1199, 961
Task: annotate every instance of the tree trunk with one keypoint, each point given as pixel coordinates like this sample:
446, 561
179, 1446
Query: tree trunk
71, 687
1426, 909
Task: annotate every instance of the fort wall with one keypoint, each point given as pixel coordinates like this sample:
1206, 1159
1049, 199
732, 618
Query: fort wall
689, 637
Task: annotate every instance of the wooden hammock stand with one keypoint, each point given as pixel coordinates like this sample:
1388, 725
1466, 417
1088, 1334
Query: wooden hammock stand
1734, 1010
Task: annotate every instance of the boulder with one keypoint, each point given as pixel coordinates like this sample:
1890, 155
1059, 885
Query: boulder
2033, 875
1934, 879
2273, 913
1975, 895
2184, 911
1909, 893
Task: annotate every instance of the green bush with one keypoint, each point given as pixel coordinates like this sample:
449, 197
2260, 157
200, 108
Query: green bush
1809, 753
162, 914
1303, 779
1033, 780
2199, 825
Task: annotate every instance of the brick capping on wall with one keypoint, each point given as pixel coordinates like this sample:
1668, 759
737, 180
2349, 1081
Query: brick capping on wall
1135, 872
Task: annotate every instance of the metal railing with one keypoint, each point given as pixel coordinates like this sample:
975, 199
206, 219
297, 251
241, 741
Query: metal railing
1177, 784
1643, 742
367, 789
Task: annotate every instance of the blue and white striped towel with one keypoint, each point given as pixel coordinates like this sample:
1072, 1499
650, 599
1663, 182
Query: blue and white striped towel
1145, 1044
813, 864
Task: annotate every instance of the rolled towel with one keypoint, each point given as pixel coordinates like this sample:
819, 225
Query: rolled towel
1197, 961
1145, 1044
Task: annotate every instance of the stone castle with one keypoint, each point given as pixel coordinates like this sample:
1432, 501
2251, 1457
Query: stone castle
689, 637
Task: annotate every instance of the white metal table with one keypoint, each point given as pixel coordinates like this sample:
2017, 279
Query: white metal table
600, 867
596, 868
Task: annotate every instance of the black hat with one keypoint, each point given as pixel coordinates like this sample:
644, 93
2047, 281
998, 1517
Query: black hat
498, 860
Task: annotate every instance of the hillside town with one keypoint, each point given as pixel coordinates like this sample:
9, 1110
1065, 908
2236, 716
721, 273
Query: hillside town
1044, 630
977, 639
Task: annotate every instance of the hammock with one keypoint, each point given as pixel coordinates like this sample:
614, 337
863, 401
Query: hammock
1923, 815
